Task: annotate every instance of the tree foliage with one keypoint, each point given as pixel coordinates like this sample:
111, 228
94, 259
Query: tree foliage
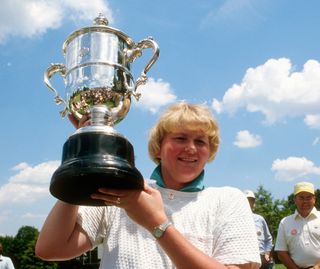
25, 235
20, 249
273, 210
28, 259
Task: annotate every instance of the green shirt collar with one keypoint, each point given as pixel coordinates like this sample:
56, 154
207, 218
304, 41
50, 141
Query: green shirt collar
194, 185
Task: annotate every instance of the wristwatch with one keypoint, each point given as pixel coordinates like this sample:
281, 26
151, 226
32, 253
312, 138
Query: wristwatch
159, 230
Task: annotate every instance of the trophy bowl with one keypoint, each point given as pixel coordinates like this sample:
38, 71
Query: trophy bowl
99, 85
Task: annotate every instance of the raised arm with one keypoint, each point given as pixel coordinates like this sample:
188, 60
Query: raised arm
61, 238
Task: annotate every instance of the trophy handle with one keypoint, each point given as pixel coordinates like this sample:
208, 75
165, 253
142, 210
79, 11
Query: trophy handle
136, 52
54, 68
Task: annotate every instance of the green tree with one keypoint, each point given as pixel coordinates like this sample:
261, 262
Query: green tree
272, 210
30, 261
7, 242
25, 235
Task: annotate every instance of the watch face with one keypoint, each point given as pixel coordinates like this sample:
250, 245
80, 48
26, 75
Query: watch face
159, 231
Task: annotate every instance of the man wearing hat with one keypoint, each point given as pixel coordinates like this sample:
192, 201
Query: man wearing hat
263, 234
298, 240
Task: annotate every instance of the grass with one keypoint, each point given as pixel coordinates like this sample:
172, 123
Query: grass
280, 266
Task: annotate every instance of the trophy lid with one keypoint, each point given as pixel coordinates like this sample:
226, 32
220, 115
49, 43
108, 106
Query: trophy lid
101, 20
100, 24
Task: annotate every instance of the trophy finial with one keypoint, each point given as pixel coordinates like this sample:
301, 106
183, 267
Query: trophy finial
101, 20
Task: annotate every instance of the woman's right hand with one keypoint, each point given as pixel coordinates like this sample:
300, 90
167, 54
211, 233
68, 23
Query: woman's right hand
145, 207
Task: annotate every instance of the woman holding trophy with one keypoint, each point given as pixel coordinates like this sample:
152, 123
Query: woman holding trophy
174, 222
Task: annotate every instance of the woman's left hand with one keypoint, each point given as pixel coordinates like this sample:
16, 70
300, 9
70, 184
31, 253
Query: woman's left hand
145, 207
84, 121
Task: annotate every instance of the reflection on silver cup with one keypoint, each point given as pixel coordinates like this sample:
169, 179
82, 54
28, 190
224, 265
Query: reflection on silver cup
98, 83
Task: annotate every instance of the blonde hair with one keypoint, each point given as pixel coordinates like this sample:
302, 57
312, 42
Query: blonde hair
193, 117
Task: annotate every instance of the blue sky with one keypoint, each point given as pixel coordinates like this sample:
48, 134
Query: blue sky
255, 63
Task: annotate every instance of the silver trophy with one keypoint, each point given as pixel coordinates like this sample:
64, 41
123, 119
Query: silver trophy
98, 84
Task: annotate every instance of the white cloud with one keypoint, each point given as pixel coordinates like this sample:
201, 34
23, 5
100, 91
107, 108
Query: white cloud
29, 183
30, 18
37, 174
87, 10
294, 168
277, 92
245, 139
154, 95
313, 121
217, 106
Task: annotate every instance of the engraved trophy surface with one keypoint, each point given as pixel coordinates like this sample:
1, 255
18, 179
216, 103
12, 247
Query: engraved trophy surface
98, 83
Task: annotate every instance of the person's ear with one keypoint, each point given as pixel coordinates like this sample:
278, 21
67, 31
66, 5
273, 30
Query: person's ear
158, 155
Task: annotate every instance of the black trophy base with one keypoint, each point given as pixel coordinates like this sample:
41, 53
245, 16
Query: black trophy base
93, 160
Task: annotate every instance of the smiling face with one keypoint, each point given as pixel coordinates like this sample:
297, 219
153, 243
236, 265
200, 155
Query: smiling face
305, 202
183, 115
183, 154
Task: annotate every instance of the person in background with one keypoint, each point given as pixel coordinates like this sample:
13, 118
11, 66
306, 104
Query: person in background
263, 233
298, 239
174, 222
5, 262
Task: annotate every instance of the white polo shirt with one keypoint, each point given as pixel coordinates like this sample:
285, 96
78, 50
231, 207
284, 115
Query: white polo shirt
301, 238
6, 263
217, 221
